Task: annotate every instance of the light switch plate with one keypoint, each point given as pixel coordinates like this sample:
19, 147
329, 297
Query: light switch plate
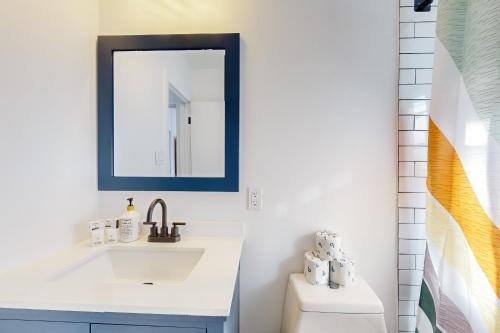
159, 157
254, 198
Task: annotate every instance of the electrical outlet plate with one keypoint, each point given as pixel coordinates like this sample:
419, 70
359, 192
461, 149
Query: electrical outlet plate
254, 198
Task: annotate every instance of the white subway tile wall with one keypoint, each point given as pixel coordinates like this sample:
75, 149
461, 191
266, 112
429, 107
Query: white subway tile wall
420, 169
411, 246
409, 293
406, 308
419, 216
414, 230
411, 200
412, 107
423, 76
419, 262
421, 123
407, 76
406, 215
424, 29
408, 277
416, 45
406, 261
417, 33
406, 169
415, 91
412, 184
406, 3
413, 154
412, 138
416, 60
406, 123
408, 14
406, 30
406, 323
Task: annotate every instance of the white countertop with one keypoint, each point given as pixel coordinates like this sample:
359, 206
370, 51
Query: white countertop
207, 291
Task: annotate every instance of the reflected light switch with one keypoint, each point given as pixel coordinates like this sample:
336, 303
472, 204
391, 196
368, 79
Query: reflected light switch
159, 157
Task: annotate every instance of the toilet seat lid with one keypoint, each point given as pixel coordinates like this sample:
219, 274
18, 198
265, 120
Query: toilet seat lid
357, 298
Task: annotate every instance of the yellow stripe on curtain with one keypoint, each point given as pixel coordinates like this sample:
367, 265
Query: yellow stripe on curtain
450, 186
451, 253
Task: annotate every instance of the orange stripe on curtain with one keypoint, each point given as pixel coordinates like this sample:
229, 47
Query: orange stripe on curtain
449, 184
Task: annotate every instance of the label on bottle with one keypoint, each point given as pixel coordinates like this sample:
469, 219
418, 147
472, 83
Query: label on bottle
129, 230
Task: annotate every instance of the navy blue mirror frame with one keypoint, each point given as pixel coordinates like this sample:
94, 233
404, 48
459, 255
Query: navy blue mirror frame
106, 45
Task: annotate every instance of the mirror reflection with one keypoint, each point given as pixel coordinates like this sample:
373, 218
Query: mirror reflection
169, 113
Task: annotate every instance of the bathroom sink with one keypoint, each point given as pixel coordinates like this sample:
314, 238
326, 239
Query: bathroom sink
132, 265
194, 277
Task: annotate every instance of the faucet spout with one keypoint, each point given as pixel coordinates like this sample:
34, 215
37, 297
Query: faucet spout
149, 217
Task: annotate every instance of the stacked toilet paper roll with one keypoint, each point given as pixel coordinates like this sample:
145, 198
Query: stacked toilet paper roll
328, 264
328, 245
342, 271
315, 269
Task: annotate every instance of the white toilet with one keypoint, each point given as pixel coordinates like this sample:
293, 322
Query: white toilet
319, 309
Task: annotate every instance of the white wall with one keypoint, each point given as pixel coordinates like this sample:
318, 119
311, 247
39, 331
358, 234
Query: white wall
318, 133
47, 135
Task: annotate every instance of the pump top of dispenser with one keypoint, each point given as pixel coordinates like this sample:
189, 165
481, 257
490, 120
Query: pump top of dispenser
130, 225
130, 206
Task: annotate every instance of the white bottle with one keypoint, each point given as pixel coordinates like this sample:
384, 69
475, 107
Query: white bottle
111, 230
130, 224
97, 231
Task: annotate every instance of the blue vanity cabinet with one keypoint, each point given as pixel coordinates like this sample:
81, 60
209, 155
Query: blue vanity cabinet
41, 321
99, 328
50, 321
33, 326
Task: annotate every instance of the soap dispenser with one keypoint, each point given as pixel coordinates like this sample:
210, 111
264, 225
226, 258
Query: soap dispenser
130, 224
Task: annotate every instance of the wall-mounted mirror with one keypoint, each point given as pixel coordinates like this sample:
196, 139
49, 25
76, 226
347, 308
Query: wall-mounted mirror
168, 112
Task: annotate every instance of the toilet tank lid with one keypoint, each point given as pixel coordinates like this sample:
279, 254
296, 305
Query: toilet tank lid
357, 298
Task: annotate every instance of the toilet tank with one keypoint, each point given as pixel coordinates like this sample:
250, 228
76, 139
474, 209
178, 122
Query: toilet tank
319, 309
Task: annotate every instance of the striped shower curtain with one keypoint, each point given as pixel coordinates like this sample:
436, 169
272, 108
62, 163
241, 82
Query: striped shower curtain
461, 286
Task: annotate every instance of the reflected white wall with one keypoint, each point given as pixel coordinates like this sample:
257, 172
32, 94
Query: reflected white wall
207, 125
141, 119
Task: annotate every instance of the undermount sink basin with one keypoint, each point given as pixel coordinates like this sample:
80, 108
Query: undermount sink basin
132, 265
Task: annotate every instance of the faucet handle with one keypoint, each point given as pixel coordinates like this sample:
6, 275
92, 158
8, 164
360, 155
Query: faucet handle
175, 229
153, 231
179, 223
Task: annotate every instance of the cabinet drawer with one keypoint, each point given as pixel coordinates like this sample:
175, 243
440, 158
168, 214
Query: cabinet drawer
22, 326
98, 328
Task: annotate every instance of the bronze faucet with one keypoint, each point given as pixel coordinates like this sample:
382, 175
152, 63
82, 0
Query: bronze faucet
164, 236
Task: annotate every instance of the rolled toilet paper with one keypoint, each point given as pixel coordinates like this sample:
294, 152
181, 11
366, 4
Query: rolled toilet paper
342, 271
315, 269
328, 245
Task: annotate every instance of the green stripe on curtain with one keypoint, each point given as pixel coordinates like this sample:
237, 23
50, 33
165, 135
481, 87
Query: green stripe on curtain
470, 31
451, 28
427, 305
